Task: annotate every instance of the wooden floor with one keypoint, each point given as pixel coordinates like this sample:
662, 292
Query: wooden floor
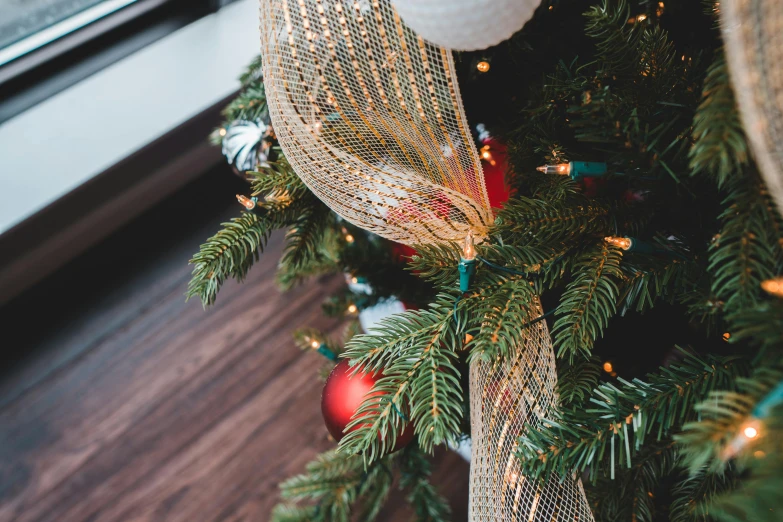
121, 402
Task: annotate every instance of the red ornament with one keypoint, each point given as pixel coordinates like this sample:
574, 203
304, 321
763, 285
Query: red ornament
342, 396
495, 164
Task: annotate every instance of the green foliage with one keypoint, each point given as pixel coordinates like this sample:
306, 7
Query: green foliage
761, 325
576, 381
722, 413
344, 489
588, 301
305, 237
504, 314
748, 249
631, 495
229, 253
708, 446
283, 200
415, 470
694, 493
337, 483
528, 221
415, 352
278, 178
720, 147
619, 418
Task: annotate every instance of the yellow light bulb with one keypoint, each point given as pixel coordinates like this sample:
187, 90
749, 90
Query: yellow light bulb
482, 66
349, 238
469, 250
608, 368
352, 309
773, 286
354, 280
246, 202
315, 344
620, 242
223, 132
750, 432
562, 169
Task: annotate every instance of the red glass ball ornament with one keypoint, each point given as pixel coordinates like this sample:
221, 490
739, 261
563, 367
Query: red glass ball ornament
343, 394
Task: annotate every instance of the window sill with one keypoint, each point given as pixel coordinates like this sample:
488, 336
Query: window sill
84, 162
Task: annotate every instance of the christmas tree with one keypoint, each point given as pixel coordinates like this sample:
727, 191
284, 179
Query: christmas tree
632, 208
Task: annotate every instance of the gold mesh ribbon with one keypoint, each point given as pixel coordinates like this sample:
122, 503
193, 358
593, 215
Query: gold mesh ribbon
505, 397
370, 117
753, 34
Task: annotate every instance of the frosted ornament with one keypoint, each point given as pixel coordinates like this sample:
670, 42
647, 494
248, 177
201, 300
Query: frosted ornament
466, 25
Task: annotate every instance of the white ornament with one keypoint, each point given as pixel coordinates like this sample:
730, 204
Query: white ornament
466, 25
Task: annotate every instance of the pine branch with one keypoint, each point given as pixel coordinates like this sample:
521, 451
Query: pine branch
293, 513
253, 71
589, 301
647, 279
529, 221
414, 351
745, 253
720, 147
428, 505
617, 43
278, 178
721, 415
632, 494
761, 326
503, 315
576, 381
305, 238
229, 253
609, 433
694, 493
339, 484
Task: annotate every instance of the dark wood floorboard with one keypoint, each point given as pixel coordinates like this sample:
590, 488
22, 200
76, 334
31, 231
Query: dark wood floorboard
124, 403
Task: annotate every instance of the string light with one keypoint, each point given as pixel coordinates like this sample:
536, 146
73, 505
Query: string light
354, 280
750, 432
349, 238
315, 344
223, 132
576, 169
482, 66
352, 309
248, 203
562, 169
608, 368
773, 286
469, 250
726, 336
467, 264
620, 242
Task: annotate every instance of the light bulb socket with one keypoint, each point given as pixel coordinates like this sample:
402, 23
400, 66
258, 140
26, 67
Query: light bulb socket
467, 269
326, 352
587, 169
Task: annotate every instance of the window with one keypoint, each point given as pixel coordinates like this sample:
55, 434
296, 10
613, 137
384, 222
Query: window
30, 24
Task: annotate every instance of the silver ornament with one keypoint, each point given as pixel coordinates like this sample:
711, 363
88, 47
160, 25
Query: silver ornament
246, 144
